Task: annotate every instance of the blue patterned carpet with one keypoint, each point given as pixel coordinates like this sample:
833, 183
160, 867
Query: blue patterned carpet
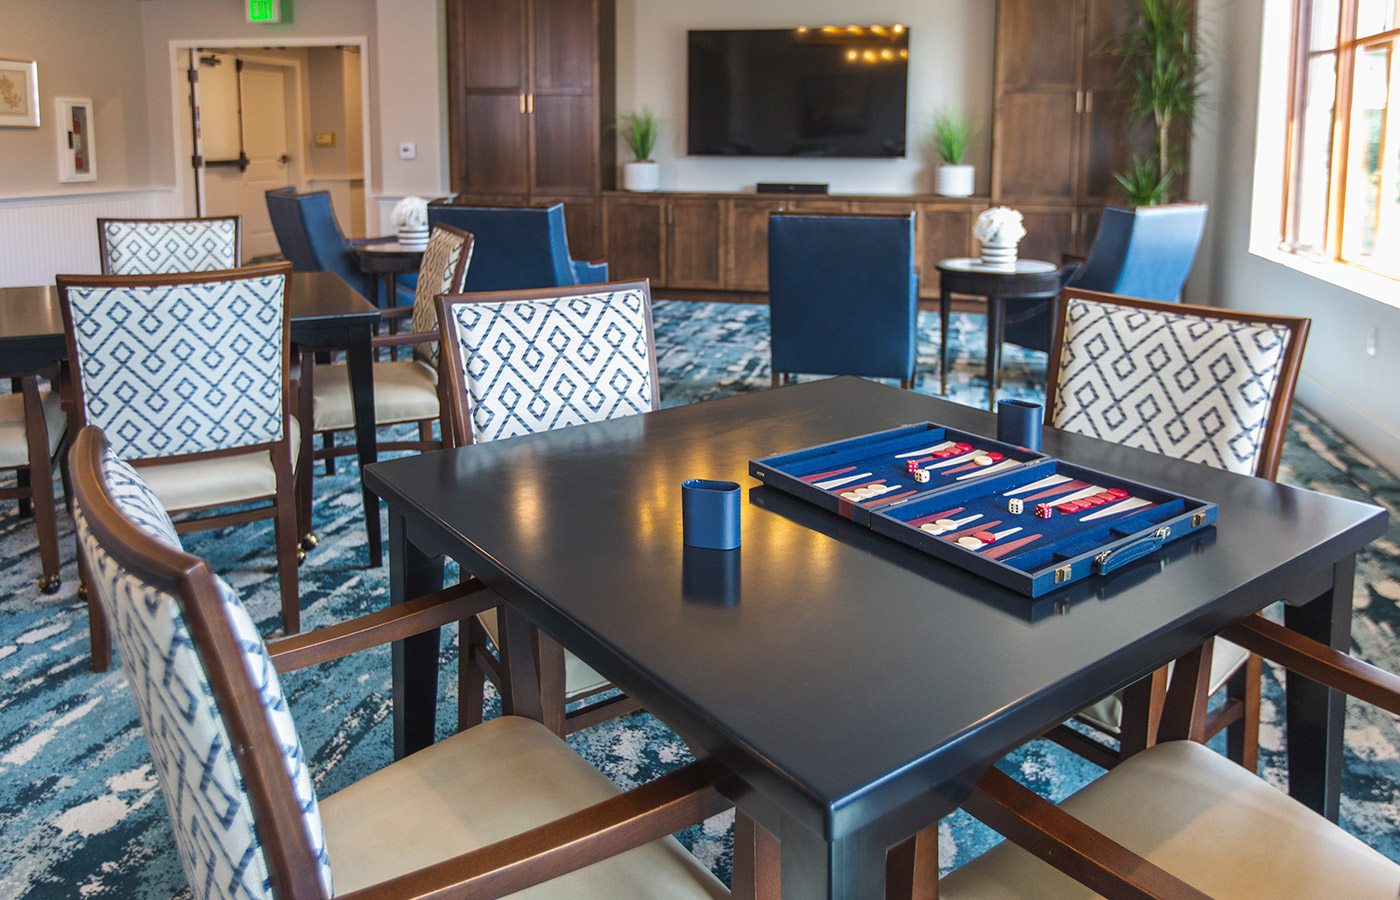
80, 812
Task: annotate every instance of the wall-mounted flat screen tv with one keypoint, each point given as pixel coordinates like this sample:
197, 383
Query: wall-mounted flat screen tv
834, 91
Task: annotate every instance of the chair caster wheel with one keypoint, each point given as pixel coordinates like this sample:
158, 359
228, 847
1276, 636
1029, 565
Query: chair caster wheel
309, 541
49, 584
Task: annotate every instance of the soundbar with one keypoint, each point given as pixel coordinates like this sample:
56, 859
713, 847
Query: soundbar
790, 187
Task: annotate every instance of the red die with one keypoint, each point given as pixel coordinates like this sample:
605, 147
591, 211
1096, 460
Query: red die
1043, 511
912, 466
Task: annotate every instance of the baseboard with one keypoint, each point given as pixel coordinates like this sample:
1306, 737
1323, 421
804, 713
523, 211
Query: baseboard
1378, 440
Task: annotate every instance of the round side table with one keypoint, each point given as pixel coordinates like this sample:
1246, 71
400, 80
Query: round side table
1031, 278
384, 262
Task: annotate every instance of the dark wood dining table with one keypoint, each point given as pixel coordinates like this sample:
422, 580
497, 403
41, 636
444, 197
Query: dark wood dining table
326, 314
845, 690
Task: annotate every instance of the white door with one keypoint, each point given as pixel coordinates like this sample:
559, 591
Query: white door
247, 107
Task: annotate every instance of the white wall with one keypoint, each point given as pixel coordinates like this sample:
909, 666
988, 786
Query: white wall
950, 64
1358, 394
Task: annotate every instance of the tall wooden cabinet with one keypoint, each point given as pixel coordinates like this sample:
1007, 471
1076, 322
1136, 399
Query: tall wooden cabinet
1059, 128
530, 96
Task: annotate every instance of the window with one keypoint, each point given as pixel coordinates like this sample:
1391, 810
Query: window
1343, 147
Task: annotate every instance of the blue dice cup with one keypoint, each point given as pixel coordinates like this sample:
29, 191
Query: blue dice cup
1018, 422
710, 514
711, 577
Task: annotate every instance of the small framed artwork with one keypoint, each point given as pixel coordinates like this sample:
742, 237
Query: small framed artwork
76, 159
19, 93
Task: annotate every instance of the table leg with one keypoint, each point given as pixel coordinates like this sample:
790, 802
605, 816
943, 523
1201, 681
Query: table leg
994, 336
850, 867
413, 573
945, 300
360, 360
1315, 714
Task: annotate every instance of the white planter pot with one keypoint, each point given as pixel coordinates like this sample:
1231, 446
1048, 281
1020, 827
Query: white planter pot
640, 175
999, 256
954, 181
416, 238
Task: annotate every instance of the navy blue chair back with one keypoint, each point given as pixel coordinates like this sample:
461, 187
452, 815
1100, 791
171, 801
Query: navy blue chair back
843, 294
515, 248
310, 236
1144, 252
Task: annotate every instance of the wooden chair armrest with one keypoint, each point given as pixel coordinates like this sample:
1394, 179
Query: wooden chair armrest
396, 312
1078, 258
1039, 826
1317, 661
622, 823
403, 339
452, 604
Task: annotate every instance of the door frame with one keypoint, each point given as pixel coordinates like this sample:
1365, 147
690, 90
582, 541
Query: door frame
180, 110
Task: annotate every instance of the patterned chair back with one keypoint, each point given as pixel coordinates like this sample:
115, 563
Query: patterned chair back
160, 246
1212, 386
442, 270
522, 362
169, 365
194, 659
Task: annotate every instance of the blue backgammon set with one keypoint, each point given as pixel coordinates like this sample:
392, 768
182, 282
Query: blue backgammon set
1023, 519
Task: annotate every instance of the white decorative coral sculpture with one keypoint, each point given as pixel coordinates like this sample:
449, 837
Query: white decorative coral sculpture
1000, 226
411, 212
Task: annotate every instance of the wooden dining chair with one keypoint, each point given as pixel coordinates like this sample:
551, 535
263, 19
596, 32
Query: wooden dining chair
522, 362
487, 812
187, 374
33, 434
162, 246
1178, 820
1212, 386
407, 391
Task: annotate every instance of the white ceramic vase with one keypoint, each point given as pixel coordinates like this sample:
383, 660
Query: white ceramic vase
999, 255
641, 175
954, 181
415, 238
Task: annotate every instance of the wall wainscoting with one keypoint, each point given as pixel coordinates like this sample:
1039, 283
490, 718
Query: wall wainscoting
41, 237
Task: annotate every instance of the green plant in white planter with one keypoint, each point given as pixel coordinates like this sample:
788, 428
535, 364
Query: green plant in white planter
949, 134
640, 131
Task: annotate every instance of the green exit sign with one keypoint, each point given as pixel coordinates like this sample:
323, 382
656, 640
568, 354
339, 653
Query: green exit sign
264, 11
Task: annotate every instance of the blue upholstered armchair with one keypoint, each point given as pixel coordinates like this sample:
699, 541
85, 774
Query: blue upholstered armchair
517, 247
843, 295
1144, 252
311, 239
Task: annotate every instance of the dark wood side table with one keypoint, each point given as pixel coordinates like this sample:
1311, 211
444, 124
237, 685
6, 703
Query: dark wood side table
1033, 278
384, 263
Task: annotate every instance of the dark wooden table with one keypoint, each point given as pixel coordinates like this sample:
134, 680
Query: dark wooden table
846, 689
325, 312
1031, 278
384, 262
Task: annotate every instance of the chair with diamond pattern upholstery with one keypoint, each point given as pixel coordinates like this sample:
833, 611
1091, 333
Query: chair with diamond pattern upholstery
160, 246
1212, 386
522, 362
187, 374
33, 434
404, 391
486, 812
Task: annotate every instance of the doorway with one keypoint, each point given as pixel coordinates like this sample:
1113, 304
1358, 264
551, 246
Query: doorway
271, 118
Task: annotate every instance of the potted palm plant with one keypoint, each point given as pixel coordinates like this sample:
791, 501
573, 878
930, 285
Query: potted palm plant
1162, 66
949, 133
639, 131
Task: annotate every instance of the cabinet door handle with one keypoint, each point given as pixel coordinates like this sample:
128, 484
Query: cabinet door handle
530, 103
522, 104
1078, 101
1088, 101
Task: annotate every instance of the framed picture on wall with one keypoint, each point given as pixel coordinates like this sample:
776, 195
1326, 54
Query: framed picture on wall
76, 151
19, 93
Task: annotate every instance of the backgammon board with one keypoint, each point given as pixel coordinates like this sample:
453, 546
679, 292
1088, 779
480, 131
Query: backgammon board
1023, 519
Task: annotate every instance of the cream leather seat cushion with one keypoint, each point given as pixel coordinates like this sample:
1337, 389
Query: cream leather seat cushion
1107, 714
403, 392
494, 780
14, 446
218, 481
579, 677
1207, 821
